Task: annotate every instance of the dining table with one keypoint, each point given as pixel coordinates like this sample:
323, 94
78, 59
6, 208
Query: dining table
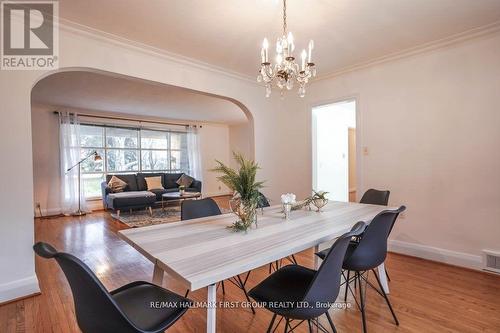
204, 251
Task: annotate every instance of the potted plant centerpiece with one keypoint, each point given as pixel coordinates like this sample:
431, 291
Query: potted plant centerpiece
182, 190
245, 190
319, 199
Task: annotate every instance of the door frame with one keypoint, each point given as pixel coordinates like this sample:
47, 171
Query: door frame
359, 138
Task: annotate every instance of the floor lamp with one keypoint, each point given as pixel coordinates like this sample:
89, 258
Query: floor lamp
97, 158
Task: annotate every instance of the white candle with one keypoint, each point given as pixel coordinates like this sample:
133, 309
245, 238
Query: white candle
291, 45
265, 46
311, 46
262, 56
304, 55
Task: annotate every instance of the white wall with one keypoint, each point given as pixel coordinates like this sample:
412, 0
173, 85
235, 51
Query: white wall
431, 124
214, 142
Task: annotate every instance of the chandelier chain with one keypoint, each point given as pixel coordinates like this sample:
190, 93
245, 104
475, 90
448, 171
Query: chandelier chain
284, 17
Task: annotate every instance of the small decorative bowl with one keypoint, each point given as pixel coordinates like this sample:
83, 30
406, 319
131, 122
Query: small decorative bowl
319, 203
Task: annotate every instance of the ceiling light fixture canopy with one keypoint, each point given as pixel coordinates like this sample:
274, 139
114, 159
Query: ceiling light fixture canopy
285, 72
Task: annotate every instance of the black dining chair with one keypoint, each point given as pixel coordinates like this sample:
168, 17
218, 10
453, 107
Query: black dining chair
193, 209
298, 293
368, 254
127, 309
375, 197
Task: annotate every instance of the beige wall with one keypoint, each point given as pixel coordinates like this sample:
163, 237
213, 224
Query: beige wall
214, 144
240, 140
431, 124
85, 50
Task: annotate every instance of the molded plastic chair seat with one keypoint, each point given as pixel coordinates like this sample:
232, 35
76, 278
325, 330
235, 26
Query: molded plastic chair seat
134, 308
150, 307
288, 284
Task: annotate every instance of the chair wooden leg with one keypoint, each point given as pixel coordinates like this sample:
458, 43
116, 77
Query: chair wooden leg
310, 326
387, 300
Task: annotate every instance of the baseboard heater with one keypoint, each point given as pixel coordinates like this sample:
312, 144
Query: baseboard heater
491, 261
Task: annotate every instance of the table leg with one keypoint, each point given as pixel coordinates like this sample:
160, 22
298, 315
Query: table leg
316, 258
383, 277
211, 306
157, 275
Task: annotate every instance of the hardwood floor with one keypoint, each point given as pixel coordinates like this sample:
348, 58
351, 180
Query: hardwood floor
427, 296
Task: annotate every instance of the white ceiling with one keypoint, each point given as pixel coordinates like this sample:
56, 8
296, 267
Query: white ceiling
99, 92
228, 33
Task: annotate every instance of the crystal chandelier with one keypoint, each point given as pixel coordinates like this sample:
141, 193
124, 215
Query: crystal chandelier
285, 71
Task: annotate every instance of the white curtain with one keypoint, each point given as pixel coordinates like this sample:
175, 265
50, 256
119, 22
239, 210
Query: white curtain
69, 146
194, 156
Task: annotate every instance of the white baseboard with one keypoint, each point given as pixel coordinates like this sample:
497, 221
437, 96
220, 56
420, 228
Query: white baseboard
48, 212
19, 288
437, 254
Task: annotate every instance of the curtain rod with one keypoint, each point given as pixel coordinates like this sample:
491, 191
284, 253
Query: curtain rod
131, 119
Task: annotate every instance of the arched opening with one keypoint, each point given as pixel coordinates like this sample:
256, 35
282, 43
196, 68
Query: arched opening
115, 100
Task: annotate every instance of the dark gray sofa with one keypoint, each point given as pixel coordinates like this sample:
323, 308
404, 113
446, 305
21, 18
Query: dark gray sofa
136, 194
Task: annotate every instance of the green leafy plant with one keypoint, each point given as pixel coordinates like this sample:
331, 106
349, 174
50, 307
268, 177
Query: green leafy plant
243, 183
182, 188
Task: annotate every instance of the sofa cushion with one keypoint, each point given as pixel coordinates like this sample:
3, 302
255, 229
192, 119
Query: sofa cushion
117, 185
129, 179
185, 180
130, 199
170, 180
154, 183
141, 181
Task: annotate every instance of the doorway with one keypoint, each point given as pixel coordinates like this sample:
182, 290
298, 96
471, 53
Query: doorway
334, 150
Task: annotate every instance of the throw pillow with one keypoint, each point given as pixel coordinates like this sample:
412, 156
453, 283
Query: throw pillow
185, 180
116, 184
154, 183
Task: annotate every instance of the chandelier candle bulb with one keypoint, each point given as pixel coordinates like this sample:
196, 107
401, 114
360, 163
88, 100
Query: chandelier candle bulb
265, 46
304, 55
311, 47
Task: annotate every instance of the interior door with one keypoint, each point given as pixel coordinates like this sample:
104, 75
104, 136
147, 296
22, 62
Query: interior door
330, 154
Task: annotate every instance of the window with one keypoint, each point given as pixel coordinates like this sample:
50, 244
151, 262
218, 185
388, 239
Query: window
129, 150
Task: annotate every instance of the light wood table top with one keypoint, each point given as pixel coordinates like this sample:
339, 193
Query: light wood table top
201, 252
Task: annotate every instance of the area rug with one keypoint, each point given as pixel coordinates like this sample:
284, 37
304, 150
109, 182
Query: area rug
141, 218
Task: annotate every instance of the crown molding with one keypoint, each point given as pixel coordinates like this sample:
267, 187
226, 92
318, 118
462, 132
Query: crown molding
423, 48
96, 34
80, 29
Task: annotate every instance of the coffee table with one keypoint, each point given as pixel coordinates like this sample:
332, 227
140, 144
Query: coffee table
176, 196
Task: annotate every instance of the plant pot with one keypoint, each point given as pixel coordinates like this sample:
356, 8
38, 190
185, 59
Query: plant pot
246, 213
319, 203
181, 192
